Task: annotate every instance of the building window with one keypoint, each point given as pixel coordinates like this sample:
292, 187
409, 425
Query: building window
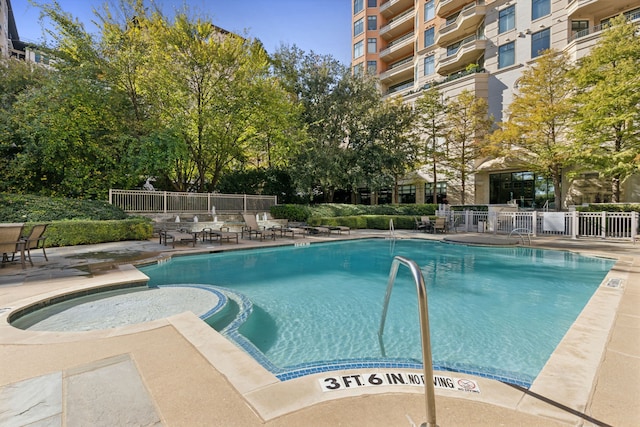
540, 8
507, 19
358, 49
358, 27
372, 3
372, 23
372, 67
441, 192
452, 49
526, 188
406, 194
579, 28
429, 10
429, 36
540, 42
358, 6
506, 55
372, 45
358, 69
429, 65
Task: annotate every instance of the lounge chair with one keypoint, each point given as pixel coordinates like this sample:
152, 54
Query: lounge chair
10, 242
338, 228
252, 228
180, 236
35, 240
222, 234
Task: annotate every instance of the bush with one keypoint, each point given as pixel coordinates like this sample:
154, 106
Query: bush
604, 207
372, 222
30, 208
80, 232
329, 210
298, 213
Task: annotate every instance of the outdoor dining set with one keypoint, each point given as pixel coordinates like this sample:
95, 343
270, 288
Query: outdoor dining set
14, 241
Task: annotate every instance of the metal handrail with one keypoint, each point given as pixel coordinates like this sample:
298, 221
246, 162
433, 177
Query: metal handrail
519, 232
427, 363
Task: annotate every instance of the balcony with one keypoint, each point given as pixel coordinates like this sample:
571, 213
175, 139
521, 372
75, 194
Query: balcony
595, 8
391, 8
467, 22
398, 72
399, 48
398, 26
444, 8
581, 42
469, 50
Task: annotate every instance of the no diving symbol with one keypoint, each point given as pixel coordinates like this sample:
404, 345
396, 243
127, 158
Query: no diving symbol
467, 385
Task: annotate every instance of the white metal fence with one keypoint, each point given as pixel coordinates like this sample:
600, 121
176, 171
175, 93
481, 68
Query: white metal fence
143, 201
618, 225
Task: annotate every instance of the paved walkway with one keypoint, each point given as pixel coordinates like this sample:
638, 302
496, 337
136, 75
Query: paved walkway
179, 372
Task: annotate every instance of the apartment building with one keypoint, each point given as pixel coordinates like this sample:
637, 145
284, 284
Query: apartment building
10, 44
481, 46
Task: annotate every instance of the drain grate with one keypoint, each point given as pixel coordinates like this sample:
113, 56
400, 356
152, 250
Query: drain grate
614, 283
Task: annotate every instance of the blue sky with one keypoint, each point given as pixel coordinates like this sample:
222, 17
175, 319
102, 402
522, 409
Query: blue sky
322, 26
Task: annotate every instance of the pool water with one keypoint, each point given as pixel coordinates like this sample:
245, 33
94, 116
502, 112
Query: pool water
498, 312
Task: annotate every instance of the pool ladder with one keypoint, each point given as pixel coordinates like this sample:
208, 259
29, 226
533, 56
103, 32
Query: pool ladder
427, 363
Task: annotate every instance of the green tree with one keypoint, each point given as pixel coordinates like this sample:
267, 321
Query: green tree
73, 139
16, 79
538, 120
431, 109
468, 125
607, 110
211, 91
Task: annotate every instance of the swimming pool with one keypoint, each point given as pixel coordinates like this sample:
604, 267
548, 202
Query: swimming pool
496, 312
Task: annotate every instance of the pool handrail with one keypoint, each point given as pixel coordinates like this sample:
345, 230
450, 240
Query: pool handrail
427, 362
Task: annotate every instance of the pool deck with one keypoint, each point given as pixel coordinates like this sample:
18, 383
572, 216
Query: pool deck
179, 372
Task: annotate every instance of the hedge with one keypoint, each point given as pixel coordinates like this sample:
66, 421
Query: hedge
306, 213
371, 222
80, 232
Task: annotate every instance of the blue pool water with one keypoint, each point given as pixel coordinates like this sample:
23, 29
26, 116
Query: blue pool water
498, 312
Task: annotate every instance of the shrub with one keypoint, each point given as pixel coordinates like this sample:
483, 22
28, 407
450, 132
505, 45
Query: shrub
373, 222
604, 207
30, 208
299, 213
82, 232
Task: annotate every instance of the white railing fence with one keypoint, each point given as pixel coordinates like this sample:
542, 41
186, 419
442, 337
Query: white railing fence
614, 225
144, 201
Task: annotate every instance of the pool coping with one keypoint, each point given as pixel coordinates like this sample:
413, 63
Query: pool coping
271, 398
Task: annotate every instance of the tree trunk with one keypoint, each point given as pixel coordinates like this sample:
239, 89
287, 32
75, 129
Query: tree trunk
615, 189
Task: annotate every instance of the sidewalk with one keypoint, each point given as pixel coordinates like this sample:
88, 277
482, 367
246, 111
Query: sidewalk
180, 372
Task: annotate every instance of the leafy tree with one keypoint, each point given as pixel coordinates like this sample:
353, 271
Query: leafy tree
431, 109
538, 120
16, 79
468, 125
211, 92
73, 140
390, 148
607, 105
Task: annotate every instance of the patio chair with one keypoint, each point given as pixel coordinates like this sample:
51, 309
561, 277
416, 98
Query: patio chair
252, 228
35, 240
440, 225
427, 223
423, 224
10, 242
